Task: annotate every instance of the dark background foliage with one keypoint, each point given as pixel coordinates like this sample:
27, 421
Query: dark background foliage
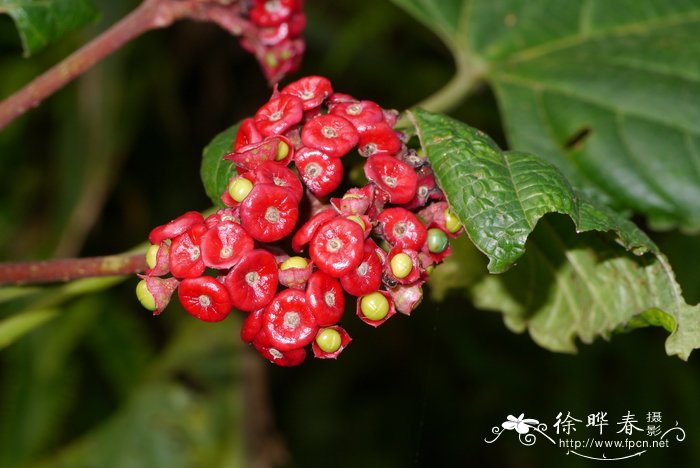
95, 167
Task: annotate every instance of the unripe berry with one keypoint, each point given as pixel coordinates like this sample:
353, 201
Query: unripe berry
374, 306
328, 340
239, 188
144, 296
437, 240
294, 262
401, 265
451, 221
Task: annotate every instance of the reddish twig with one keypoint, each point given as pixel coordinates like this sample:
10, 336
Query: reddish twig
151, 14
49, 271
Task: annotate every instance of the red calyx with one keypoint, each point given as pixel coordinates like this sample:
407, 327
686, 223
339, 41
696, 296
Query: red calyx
273, 173
324, 294
396, 178
204, 298
185, 254
249, 157
248, 134
402, 228
290, 358
321, 173
279, 114
306, 232
223, 245
378, 138
367, 276
267, 13
312, 90
175, 227
269, 212
337, 247
331, 134
288, 321
252, 323
253, 281
361, 114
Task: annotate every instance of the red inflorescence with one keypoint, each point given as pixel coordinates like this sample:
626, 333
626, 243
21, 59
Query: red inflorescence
368, 247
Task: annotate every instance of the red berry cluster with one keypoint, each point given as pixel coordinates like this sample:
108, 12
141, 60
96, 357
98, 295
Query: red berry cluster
275, 35
377, 242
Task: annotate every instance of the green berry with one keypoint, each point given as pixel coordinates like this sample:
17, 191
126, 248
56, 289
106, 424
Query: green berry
239, 188
152, 256
329, 340
451, 222
144, 296
374, 306
282, 151
437, 240
401, 265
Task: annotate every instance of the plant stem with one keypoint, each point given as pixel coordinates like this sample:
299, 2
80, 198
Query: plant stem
48, 271
151, 14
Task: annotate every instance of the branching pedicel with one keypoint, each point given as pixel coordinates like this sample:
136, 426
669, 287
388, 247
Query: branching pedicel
377, 242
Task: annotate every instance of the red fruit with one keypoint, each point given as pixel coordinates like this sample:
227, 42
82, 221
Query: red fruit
378, 138
248, 134
367, 276
227, 214
321, 174
394, 177
312, 90
288, 321
297, 24
185, 255
252, 323
252, 282
273, 148
426, 188
402, 228
361, 114
324, 294
331, 134
333, 339
271, 12
204, 298
281, 176
337, 246
269, 212
279, 114
223, 245
305, 233
292, 357
175, 227
273, 35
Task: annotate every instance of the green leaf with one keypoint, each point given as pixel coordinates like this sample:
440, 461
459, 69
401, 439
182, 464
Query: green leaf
608, 91
41, 22
500, 196
585, 281
215, 171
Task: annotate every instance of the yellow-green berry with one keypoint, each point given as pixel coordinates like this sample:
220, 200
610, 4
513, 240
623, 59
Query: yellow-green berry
437, 240
144, 296
282, 151
239, 188
152, 256
374, 306
329, 340
401, 265
451, 222
294, 262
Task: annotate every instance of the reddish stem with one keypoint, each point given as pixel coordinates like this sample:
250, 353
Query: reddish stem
48, 271
151, 14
